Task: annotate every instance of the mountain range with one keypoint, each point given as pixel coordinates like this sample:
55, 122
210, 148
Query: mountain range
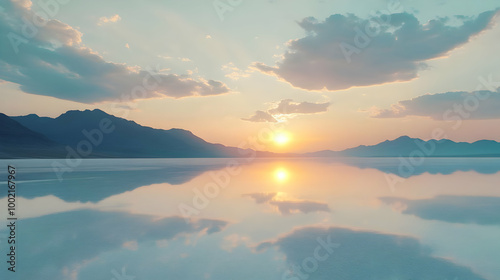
96, 134
414, 147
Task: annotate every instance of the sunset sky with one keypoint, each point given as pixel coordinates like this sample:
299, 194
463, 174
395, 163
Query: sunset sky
332, 74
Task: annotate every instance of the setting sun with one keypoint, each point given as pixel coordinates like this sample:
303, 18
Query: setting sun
281, 138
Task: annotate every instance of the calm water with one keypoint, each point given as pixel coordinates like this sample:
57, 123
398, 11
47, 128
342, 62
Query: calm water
154, 219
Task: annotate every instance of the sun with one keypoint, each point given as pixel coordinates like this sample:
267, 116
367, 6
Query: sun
281, 138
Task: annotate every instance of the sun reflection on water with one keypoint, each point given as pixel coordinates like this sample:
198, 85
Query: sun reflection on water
281, 174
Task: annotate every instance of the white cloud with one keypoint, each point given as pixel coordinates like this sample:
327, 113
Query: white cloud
234, 73
114, 18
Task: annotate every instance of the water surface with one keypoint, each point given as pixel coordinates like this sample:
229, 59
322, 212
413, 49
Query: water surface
149, 219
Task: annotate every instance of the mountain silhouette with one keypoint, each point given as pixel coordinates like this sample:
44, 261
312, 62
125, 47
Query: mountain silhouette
413, 147
127, 138
97, 179
96, 134
18, 141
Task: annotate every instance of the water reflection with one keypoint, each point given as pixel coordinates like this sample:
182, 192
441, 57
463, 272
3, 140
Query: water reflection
281, 175
288, 206
404, 168
95, 180
258, 226
340, 253
53, 246
452, 209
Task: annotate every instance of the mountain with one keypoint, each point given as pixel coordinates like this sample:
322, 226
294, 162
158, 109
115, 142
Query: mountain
96, 134
406, 146
17, 141
102, 135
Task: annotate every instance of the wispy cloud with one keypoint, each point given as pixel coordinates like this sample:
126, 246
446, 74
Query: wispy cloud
287, 206
286, 109
104, 20
234, 72
260, 116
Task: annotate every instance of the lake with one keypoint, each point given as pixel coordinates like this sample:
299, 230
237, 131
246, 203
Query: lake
354, 218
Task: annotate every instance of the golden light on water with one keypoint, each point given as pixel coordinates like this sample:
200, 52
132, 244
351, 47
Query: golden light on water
281, 175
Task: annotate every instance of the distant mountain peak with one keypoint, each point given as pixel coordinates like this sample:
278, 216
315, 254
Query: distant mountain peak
87, 111
403, 138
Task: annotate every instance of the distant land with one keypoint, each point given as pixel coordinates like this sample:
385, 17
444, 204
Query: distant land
408, 147
96, 134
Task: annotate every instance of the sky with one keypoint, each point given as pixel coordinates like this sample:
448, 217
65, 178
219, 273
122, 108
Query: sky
328, 74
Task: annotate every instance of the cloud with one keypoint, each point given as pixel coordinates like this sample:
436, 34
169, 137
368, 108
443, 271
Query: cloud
131, 245
338, 54
287, 106
261, 116
286, 207
114, 18
286, 109
360, 255
261, 197
52, 62
234, 240
481, 104
452, 209
71, 238
234, 73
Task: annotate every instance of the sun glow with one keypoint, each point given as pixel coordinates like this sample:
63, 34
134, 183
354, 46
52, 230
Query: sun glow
281, 175
281, 138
